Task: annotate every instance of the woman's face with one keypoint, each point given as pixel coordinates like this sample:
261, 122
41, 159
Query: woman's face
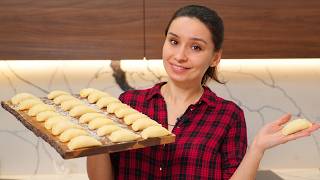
188, 50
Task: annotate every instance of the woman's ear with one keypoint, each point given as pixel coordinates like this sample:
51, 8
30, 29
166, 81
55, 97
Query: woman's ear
216, 58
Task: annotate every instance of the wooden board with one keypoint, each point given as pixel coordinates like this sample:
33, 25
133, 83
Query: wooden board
108, 147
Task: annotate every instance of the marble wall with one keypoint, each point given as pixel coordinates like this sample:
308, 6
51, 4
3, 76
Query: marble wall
265, 89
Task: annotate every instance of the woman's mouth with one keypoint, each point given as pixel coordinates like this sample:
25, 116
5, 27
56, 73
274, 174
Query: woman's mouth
178, 68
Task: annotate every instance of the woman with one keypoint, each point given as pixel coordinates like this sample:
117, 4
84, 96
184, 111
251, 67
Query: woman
211, 138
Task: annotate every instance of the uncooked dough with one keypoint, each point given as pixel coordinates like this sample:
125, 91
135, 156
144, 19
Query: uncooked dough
154, 131
83, 141
295, 126
123, 135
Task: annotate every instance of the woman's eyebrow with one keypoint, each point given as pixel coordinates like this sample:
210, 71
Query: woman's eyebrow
173, 34
193, 38
199, 39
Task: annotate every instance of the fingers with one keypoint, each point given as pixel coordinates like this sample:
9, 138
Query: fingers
314, 127
283, 119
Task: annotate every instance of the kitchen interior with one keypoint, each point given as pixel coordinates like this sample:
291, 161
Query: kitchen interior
270, 63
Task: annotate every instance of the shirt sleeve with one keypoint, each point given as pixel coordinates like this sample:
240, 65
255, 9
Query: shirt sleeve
234, 145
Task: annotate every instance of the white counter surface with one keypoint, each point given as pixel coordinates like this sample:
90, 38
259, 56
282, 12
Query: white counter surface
279, 174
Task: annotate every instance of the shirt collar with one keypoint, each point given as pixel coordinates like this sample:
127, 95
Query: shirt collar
208, 96
155, 90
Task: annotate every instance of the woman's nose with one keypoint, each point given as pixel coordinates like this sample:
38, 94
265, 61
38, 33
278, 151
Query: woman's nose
181, 54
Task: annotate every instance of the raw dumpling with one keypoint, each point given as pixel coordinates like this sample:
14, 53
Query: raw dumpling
61, 126
85, 92
143, 123
69, 104
53, 120
39, 108
121, 112
29, 103
113, 106
98, 122
154, 131
44, 115
295, 126
105, 101
62, 98
20, 97
71, 133
96, 95
85, 118
82, 142
123, 135
56, 93
129, 119
107, 129
80, 110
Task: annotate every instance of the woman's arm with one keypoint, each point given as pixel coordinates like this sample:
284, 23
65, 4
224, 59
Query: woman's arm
99, 167
269, 136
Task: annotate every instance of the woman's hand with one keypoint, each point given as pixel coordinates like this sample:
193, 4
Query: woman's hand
270, 135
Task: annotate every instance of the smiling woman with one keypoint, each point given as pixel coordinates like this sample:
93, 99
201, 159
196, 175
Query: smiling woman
208, 129
211, 134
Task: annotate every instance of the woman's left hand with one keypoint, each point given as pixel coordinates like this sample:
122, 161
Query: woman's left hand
270, 135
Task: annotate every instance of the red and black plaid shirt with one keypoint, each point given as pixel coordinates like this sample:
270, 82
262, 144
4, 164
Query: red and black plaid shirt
211, 140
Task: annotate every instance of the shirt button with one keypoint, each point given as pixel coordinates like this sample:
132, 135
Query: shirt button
160, 169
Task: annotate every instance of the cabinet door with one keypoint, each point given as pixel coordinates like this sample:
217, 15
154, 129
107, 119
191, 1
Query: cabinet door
71, 29
253, 28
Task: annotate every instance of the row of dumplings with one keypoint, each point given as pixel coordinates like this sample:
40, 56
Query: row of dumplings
94, 119
105, 126
54, 122
68, 131
130, 116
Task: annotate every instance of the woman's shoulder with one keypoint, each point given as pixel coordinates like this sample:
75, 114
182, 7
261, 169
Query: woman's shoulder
139, 94
221, 103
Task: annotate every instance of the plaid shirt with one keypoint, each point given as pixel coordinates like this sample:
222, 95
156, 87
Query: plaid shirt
211, 140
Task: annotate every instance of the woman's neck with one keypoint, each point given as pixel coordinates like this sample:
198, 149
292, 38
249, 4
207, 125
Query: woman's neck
176, 94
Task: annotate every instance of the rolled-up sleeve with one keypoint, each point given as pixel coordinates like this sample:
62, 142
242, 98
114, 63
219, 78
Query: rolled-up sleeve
234, 145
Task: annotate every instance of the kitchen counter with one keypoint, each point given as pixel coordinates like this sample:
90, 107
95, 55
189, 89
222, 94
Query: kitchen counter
279, 174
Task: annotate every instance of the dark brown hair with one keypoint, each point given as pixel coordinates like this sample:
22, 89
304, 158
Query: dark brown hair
215, 25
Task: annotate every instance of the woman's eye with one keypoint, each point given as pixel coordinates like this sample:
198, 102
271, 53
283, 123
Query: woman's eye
173, 42
196, 47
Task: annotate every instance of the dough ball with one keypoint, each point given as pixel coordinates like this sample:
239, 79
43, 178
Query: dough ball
71, 133
154, 131
20, 97
129, 119
143, 123
69, 104
295, 126
123, 135
64, 97
107, 129
105, 101
44, 115
29, 103
56, 93
39, 108
83, 142
80, 110
87, 117
99, 122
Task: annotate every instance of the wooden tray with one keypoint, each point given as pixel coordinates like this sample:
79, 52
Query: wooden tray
108, 147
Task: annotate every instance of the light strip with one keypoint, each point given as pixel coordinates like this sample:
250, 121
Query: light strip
138, 65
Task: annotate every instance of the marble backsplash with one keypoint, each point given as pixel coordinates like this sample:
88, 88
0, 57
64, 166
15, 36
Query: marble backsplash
264, 89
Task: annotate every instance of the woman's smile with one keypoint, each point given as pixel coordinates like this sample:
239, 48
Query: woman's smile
178, 68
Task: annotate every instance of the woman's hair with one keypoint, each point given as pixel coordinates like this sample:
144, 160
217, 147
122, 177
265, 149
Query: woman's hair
215, 25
